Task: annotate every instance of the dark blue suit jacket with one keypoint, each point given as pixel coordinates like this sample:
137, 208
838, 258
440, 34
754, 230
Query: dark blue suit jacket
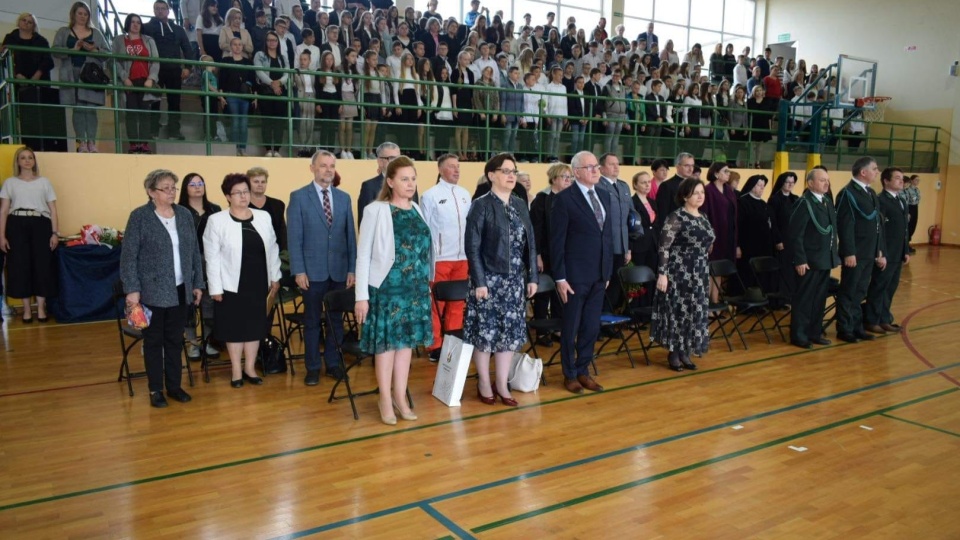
580, 251
319, 250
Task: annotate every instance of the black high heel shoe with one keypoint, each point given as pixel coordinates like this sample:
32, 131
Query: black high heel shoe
673, 359
687, 363
252, 380
237, 383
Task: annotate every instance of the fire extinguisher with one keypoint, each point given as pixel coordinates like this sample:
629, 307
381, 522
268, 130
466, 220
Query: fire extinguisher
934, 233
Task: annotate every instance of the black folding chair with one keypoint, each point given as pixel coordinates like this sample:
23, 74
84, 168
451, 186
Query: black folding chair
136, 336
744, 305
545, 284
344, 301
767, 271
640, 315
830, 310
445, 292
290, 321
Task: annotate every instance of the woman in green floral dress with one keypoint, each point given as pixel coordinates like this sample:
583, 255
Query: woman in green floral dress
394, 269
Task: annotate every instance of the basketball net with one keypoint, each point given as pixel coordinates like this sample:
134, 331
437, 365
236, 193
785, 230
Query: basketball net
879, 106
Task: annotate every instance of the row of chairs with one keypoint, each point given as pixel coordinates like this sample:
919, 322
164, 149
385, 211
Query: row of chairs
725, 315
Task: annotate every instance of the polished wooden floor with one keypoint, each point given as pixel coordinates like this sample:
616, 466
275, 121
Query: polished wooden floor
845, 441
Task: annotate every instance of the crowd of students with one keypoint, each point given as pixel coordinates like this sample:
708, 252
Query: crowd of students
539, 85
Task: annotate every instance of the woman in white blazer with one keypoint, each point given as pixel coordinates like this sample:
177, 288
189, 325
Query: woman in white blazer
395, 260
243, 269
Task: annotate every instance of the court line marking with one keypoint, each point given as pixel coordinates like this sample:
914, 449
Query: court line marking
702, 371
373, 436
614, 453
918, 424
905, 336
700, 464
447, 522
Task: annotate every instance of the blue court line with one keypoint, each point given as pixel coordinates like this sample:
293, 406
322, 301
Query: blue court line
614, 453
447, 522
700, 464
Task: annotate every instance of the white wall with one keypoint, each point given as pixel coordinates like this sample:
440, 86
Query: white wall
882, 30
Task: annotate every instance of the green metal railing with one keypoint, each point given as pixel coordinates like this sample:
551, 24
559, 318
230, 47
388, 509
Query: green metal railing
485, 138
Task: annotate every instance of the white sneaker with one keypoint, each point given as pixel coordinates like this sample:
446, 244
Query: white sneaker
193, 352
343, 155
212, 351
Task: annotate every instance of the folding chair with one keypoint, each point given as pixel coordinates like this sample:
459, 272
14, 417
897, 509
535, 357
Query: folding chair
832, 291
136, 336
545, 284
614, 323
638, 276
743, 305
767, 270
290, 322
445, 292
344, 301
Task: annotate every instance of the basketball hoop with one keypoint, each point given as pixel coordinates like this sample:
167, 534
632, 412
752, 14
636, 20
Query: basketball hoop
872, 108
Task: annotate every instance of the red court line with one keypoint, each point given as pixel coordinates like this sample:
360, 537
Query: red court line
905, 335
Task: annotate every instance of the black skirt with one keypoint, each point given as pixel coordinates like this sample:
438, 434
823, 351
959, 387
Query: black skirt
372, 107
242, 316
408, 96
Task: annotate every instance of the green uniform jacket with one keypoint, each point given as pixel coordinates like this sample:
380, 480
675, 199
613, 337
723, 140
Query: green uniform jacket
895, 223
858, 223
813, 232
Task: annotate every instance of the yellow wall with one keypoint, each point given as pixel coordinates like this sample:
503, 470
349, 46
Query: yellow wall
102, 189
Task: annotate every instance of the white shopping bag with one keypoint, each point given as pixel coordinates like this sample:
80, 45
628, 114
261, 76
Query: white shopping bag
525, 373
455, 357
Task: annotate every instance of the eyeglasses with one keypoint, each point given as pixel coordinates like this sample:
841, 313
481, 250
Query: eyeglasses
590, 168
566, 177
388, 158
196, 184
509, 172
169, 190
240, 193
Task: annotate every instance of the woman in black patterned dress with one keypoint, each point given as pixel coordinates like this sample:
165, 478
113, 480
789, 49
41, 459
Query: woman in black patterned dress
502, 257
680, 307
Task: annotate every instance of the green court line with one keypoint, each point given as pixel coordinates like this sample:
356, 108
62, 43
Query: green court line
592, 459
333, 444
680, 470
918, 424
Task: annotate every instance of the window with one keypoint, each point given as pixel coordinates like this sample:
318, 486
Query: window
537, 10
693, 21
706, 14
586, 19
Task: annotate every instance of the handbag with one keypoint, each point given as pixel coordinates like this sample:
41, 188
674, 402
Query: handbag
525, 373
92, 73
455, 358
272, 359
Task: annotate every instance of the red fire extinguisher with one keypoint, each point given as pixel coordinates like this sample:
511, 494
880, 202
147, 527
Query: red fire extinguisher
934, 233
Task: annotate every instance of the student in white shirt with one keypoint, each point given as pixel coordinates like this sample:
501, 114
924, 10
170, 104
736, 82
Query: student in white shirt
532, 97
556, 112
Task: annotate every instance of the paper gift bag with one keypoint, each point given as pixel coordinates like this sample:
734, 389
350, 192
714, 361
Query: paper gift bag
455, 357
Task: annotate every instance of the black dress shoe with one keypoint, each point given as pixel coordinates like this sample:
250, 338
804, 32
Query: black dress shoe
849, 338
157, 400
821, 341
546, 341
673, 360
687, 363
179, 395
237, 383
435, 355
891, 327
252, 380
802, 344
863, 336
312, 378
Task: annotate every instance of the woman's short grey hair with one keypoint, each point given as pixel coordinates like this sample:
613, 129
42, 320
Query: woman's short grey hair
156, 176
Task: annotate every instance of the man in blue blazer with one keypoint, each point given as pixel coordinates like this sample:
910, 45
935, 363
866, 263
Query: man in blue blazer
323, 256
581, 250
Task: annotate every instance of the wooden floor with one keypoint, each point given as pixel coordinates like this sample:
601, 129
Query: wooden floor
846, 441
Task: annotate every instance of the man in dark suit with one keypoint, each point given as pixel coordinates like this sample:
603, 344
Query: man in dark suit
581, 252
619, 220
861, 247
369, 189
323, 255
333, 45
667, 192
656, 113
813, 227
577, 108
877, 317
595, 107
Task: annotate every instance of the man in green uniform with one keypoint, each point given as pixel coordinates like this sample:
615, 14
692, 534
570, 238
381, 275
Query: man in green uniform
813, 228
877, 317
861, 247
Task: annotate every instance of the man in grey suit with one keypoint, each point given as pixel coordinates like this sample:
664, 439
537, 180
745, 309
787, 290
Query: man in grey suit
620, 205
323, 256
369, 189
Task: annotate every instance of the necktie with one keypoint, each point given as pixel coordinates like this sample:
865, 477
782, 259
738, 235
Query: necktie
595, 203
327, 209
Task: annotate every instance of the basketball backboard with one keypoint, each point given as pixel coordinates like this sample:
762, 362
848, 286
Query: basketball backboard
856, 79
